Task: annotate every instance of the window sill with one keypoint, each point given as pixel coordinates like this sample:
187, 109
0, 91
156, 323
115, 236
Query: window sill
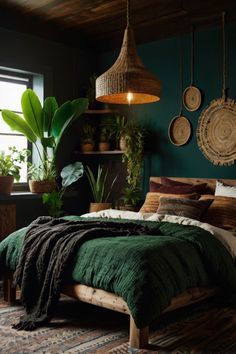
28, 195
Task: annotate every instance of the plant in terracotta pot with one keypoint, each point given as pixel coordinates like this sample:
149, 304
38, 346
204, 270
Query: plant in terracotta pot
54, 200
105, 136
100, 189
44, 126
10, 168
87, 134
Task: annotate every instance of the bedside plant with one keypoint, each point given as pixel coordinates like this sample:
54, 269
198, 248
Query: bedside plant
100, 190
54, 200
10, 167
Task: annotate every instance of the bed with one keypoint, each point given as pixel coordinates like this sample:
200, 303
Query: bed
189, 292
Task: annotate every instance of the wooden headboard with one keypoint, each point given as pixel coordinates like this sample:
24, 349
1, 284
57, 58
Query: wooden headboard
211, 182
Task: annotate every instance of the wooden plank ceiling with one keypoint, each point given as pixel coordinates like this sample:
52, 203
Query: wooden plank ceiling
101, 23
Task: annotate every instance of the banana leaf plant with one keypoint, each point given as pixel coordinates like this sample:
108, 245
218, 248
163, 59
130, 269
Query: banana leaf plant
44, 125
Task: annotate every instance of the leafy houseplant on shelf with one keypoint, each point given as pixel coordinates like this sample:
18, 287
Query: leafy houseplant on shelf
10, 168
133, 135
54, 200
87, 133
44, 127
100, 190
105, 138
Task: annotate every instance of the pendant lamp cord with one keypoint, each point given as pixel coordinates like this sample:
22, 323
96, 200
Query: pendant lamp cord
127, 12
224, 56
192, 56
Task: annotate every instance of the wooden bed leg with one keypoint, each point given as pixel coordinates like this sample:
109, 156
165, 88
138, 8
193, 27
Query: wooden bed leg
138, 337
9, 290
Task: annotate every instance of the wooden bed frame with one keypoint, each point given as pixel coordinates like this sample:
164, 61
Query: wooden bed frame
138, 337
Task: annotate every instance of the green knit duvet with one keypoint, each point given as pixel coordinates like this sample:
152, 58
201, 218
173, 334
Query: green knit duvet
147, 271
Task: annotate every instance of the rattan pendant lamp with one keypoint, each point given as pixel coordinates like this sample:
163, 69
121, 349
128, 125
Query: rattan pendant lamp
128, 81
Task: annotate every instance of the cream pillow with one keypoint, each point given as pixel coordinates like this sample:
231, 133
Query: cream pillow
224, 190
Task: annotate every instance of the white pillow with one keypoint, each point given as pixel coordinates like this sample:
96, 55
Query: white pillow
225, 190
118, 214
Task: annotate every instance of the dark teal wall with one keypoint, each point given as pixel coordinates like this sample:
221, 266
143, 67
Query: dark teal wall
162, 58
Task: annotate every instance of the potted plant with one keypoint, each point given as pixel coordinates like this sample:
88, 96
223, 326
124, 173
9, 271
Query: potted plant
10, 168
105, 138
130, 198
54, 200
133, 135
44, 126
87, 133
99, 188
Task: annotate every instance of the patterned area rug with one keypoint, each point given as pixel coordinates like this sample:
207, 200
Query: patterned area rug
81, 328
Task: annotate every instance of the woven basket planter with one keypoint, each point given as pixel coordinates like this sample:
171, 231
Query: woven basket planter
42, 186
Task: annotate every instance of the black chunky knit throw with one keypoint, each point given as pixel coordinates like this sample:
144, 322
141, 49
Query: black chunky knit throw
46, 261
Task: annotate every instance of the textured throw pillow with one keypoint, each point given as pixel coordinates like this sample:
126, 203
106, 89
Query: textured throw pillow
188, 189
224, 190
193, 209
151, 202
222, 212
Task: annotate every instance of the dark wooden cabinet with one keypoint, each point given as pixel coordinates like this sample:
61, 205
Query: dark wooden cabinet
7, 219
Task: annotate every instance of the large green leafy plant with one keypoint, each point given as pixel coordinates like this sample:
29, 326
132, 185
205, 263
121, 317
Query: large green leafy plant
54, 200
44, 125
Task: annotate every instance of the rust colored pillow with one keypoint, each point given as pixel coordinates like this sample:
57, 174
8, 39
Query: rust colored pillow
188, 189
222, 212
193, 209
152, 200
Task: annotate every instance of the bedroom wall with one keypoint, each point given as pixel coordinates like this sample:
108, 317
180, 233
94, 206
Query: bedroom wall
162, 58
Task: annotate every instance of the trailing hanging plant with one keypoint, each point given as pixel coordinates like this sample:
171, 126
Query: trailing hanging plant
133, 134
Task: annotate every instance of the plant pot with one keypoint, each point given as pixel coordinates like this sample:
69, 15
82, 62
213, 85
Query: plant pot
6, 184
87, 147
41, 186
122, 143
99, 206
104, 146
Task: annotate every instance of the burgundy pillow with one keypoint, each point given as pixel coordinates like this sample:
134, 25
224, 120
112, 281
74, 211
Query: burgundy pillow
160, 188
170, 182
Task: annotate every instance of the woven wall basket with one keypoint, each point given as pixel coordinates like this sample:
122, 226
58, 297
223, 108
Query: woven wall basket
179, 130
216, 132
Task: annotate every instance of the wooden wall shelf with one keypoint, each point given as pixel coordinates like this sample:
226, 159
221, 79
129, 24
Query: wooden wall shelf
100, 111
110, 152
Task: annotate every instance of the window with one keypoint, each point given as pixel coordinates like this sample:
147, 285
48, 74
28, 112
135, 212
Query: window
12, 85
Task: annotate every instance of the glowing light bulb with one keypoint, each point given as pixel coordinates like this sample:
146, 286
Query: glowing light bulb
130, 97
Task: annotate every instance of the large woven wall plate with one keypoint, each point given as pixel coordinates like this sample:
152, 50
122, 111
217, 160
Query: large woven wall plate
179, 130
216, 132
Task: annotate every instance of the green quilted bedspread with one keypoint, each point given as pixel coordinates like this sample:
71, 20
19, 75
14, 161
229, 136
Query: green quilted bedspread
147, 271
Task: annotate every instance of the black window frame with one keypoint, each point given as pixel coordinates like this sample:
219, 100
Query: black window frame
18, 78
